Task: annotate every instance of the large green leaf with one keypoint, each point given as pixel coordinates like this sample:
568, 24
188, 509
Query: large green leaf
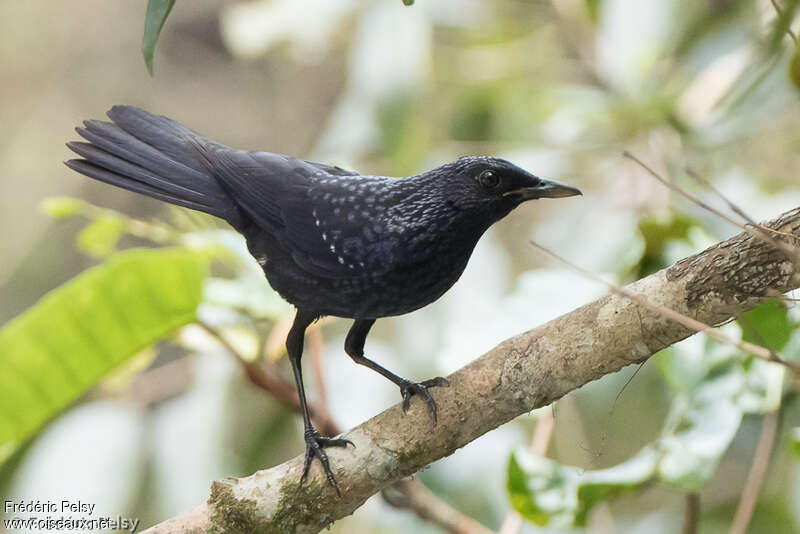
58, 349
154, 19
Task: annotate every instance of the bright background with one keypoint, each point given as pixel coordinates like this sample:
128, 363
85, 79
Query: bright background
560, 87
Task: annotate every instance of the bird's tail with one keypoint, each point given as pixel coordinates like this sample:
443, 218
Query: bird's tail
154, 156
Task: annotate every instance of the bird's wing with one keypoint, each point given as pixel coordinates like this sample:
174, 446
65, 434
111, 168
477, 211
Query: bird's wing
307, 206
331, 169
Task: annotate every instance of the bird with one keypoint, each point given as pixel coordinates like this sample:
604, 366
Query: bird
331, 242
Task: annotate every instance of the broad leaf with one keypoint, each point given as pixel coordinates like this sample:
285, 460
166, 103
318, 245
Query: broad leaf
76, 334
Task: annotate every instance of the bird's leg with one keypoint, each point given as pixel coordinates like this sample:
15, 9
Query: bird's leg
314, 440
354, 347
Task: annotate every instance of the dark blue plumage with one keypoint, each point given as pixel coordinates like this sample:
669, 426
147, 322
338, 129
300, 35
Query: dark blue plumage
330, 241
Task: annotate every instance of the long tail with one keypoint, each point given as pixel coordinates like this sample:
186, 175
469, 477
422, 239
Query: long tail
152, 155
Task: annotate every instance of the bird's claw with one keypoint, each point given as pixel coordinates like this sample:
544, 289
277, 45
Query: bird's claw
315, 443
421, 389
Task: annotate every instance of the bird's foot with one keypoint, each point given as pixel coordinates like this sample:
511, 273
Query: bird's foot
407, 389
315, 443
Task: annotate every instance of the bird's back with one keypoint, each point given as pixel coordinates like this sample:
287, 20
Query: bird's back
328, 239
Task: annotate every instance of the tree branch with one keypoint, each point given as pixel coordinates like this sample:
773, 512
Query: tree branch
525, 372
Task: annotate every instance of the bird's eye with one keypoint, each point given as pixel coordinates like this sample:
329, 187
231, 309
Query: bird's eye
489, 179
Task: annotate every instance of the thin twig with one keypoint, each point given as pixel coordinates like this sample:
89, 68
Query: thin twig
779, 11
755, 478
691, 519
681, 192
736, 209
692, 324
754, 229
544, 431
760, 231
428, 507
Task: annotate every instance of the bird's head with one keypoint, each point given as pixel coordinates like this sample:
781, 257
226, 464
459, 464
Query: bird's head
495, 185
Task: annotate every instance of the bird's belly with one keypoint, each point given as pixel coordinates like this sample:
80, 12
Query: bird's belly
395, 292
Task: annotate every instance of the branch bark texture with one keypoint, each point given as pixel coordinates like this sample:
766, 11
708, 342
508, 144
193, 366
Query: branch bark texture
528, 371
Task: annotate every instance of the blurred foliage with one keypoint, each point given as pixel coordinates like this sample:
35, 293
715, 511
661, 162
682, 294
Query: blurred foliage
795, 436
713, 388
657, 234
546, 492
100, 238
560, 87
81, 331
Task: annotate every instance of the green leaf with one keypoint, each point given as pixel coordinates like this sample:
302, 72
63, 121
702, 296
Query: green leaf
544, 491
154, 19
408, 2
61, 207
76, 334
99, 239
768, 324
658, 233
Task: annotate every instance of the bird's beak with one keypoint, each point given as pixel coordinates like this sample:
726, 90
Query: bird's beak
543, 189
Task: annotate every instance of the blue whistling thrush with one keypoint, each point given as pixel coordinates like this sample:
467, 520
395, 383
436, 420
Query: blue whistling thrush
330, 241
